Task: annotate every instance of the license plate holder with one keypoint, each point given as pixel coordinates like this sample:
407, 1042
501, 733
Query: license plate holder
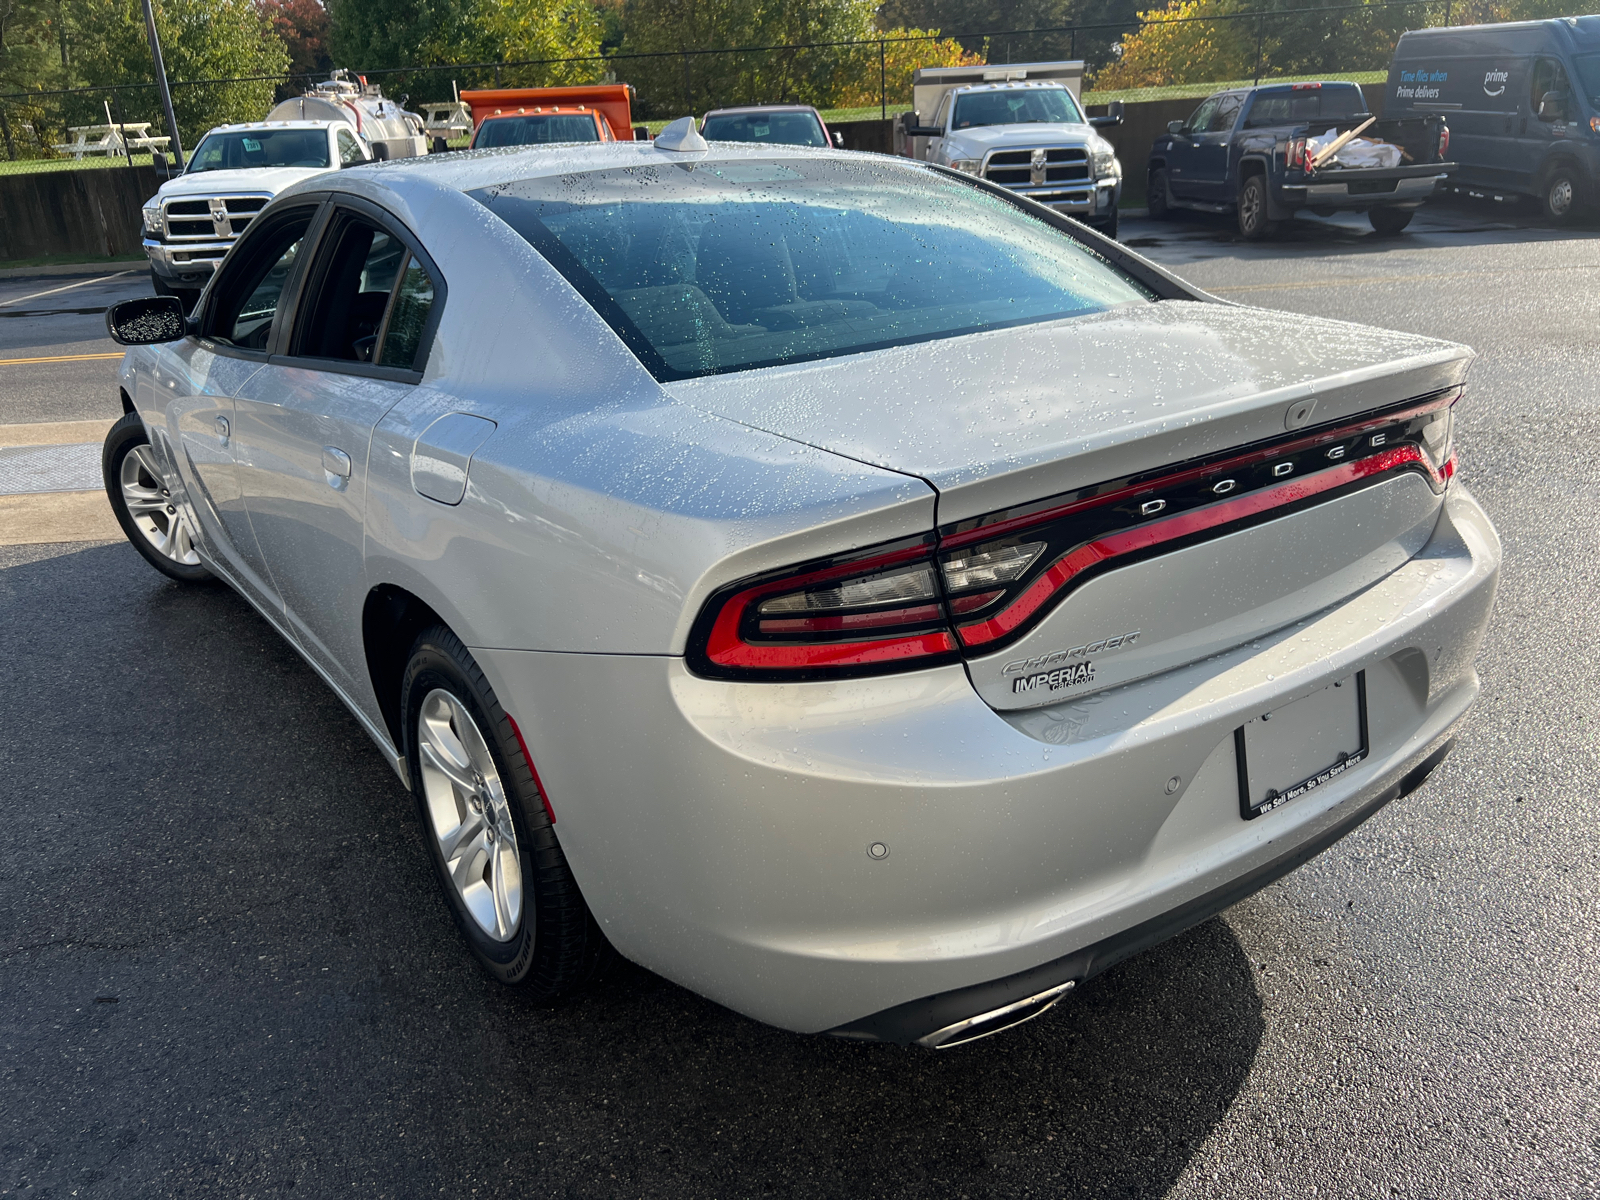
1295, 749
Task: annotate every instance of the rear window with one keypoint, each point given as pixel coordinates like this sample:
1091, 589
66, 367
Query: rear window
789, 129
536, 130
707, 267
1308, 104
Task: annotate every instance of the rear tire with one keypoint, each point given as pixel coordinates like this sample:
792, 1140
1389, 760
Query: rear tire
1252, 206
488, 833
1561, 193
1157, 204
143, 503
1389, 221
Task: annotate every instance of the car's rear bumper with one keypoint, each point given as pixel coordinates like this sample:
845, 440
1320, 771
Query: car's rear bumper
722, 832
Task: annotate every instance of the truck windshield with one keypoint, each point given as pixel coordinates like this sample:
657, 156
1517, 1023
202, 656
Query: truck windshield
1016, 106
1589, 76
708, 267
261, 148
789, 129
536, 129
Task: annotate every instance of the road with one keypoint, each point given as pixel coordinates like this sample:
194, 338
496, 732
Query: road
224, 968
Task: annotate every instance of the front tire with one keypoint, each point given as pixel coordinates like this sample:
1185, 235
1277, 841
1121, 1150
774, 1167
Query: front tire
144, 505
488, 832
1389, 221
1157, 205
1561, 194
188, 296
1252, 206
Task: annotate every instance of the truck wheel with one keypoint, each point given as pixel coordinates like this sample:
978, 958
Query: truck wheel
1156, 204
1390, 221
162, 288
1253, 223
1561, 192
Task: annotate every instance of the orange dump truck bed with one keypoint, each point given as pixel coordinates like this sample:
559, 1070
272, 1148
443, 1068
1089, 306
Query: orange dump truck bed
611, 100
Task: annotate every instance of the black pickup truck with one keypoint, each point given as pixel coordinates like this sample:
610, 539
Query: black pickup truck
1244, 150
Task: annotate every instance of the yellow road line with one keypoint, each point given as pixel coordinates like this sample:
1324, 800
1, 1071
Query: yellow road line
55, 358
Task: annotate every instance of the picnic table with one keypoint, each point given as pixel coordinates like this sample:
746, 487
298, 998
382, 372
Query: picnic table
108, 139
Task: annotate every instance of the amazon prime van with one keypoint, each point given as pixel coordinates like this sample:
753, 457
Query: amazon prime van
1522, 101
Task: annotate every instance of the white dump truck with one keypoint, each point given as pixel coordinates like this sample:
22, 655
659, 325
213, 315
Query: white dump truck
1022, 126
193, 219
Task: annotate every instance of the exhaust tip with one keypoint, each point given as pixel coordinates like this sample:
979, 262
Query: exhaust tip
996, 1020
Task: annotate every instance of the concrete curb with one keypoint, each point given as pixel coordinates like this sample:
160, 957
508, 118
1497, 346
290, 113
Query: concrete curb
88, 270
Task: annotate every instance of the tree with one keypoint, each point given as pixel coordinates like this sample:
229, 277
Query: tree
372, 34
200, 39
518, 30
302, 26
904, 50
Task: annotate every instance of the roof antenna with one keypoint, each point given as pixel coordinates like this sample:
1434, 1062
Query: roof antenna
681, 135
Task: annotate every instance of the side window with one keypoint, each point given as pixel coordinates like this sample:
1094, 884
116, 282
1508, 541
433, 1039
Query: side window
1548, 76
245, 307
370, 299
1227, 112
349, 149
944, 111
408, 317
1201, 118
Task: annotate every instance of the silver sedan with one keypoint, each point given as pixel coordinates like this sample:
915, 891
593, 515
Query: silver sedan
846, 588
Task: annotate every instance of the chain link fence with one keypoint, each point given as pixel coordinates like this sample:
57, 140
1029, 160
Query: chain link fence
1162, 58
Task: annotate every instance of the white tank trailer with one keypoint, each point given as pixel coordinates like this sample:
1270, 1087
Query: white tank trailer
391, 131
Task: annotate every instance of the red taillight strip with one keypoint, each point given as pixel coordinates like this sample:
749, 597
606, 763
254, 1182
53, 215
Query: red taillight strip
1075, 562
532, 770
983, 533
730, 651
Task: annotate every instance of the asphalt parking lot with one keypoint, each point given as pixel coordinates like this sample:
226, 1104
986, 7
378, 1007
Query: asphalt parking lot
224, 968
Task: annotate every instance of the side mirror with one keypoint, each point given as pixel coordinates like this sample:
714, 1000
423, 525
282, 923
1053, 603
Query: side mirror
838, 139
1553, 106
924, 131
1174, 126
147, 321
1114, 112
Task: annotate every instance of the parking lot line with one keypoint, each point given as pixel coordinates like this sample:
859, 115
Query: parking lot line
56, 358
67, 288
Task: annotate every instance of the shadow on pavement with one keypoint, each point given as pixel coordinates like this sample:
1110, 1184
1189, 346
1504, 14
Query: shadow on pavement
226, 965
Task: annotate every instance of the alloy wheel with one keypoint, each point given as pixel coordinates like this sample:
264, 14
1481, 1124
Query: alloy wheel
153, 511
470, 815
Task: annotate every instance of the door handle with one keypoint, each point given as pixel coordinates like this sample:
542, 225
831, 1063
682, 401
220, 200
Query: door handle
335, 467
223, 430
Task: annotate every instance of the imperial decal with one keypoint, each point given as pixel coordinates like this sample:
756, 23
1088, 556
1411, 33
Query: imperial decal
1054, 681
1121, 642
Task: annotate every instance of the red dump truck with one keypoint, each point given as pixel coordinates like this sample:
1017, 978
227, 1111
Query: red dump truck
601, 112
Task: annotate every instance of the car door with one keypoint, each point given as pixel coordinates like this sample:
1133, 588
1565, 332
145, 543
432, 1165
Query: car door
353, 349
242, 312
1182, 155
1209, 174
1548, 129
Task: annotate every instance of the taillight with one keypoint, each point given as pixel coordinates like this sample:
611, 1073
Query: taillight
873, 611
985, 582
1444, 142
1294, 153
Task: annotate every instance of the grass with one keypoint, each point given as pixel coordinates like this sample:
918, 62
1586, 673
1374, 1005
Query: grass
67, 260
89, 162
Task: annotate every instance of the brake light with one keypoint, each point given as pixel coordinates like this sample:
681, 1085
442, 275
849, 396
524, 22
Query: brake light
878, 610
1444, 141
986, 581
1305, 87
1294, 153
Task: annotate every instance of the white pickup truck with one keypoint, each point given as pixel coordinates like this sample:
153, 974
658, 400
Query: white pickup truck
1021, 126
195, 217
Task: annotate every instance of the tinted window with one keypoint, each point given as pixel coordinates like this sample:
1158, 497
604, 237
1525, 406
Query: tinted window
408, 317
1548, 76
1307, 104
725, 266
247, 293
1588, 68
1226, 113
1016, 106
261, 148
350, 291
536, 130
789, 129
1201, 117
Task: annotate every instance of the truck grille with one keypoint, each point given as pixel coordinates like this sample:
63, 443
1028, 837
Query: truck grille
1013, 168
189, 219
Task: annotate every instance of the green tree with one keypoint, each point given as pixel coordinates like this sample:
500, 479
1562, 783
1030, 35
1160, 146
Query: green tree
678, 83
200, 40
518, 30
373, 34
